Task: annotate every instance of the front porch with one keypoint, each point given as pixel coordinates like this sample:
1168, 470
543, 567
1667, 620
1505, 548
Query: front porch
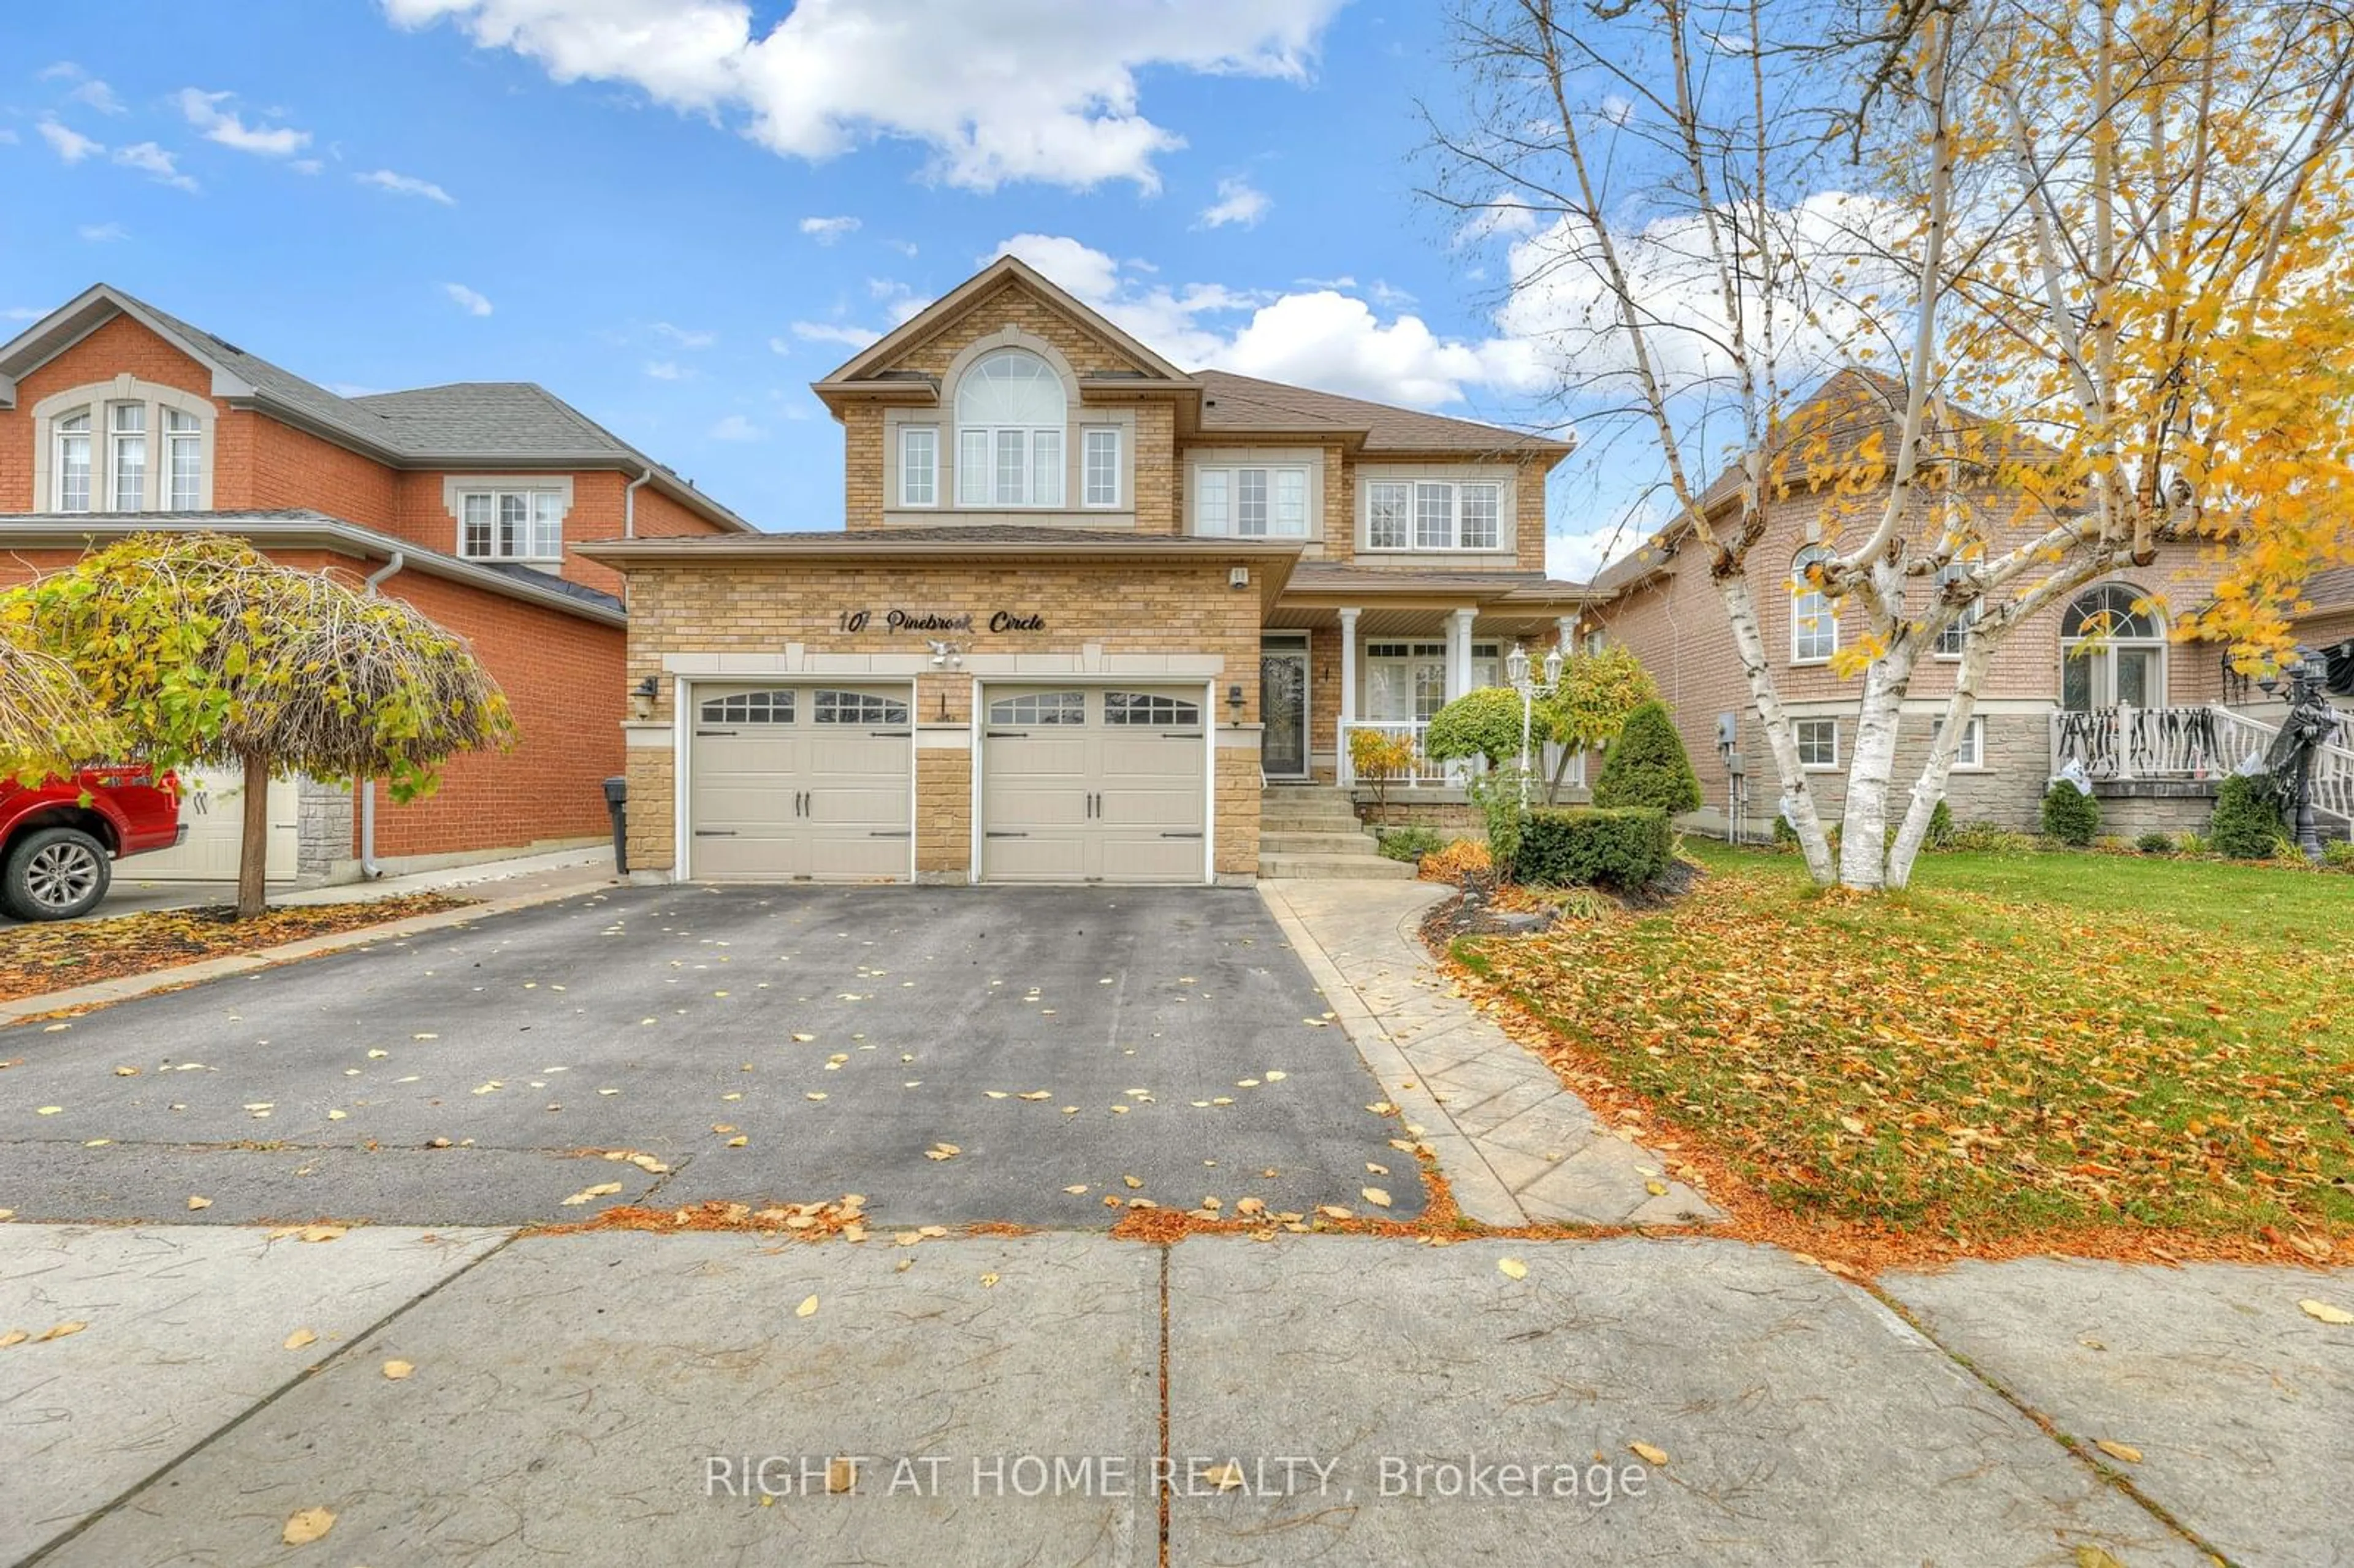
2184, 752
1352, 650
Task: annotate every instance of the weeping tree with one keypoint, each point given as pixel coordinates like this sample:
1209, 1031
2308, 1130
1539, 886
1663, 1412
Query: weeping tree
48, 724
206, 653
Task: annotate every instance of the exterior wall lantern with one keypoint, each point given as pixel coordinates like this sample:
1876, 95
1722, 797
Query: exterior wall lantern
641, 698
1235, 704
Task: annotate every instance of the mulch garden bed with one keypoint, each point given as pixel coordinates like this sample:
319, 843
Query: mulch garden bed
36, 958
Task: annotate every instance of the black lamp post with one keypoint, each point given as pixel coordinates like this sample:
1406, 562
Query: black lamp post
2302, 732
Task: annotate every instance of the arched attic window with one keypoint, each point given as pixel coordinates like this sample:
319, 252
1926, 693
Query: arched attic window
1010, 414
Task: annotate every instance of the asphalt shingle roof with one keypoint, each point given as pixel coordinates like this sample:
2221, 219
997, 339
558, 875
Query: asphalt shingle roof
1244, 403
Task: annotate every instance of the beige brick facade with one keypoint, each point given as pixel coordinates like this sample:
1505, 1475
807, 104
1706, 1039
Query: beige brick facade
1146, 622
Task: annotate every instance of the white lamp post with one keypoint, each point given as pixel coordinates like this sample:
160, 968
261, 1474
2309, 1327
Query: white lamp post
1516, 670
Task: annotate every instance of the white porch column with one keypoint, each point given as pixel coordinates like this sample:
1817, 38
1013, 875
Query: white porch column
1458, 653
1342, 770
1567, 634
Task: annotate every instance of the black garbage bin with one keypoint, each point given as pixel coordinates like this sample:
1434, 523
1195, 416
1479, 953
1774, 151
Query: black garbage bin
617, 805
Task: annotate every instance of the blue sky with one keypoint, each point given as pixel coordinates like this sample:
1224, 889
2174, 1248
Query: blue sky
677, 213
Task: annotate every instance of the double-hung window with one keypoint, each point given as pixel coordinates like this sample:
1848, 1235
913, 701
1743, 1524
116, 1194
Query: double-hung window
1954, 636
920, 465
73, 462
126, 456
184, 455
1010, 411
1099, 466
1971, 752
1251, 502
512, 526
1434, 514
1814, 619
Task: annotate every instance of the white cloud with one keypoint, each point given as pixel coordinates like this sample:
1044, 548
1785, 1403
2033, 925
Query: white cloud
205, 112
406, 184
826, 230
684, 338
1238, 201
61, 70
737, 427
70, 143
903, 247
306, 166
23, 313
100, 233
855, 337
8, 138
1020, 90
96, 94
151, 159
467, 300
1323, 338
667, 370
780, 346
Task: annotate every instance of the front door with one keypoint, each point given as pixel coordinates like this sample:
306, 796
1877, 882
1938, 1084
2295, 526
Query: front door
1283, 710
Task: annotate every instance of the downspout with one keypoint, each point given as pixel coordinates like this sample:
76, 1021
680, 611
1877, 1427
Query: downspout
629, 504
366, 789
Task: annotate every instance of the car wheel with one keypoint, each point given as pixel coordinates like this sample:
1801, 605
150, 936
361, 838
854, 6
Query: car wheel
55, 874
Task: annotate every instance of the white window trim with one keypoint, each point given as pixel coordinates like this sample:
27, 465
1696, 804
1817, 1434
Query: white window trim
1232, 462
1976, 728
1830, 766
1087, 433
899, 487
100, 398
455, 487
1456, 476
1829, 612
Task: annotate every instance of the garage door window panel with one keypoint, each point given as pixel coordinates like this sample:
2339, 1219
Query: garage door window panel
1040, 708
858, 707
750, 707
1150, 708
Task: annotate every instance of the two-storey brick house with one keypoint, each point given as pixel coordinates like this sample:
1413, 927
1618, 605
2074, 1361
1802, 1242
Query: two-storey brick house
469, 501
1084, 605
2098, 679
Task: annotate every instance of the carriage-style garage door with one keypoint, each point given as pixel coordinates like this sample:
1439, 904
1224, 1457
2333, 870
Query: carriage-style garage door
789, 782
1088, 784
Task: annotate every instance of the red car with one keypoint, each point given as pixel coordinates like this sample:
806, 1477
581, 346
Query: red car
59, 839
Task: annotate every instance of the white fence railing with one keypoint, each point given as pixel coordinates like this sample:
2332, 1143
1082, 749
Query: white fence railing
1423, 773
2127, 743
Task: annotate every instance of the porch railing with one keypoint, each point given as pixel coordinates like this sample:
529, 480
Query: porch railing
1427, 774
2208, 742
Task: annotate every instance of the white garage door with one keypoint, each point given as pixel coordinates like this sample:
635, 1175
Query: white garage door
801, 782
1083, 784
213, 806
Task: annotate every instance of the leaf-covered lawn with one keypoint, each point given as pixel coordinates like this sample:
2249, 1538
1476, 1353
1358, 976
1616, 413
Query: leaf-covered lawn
2020, 1042
35, 959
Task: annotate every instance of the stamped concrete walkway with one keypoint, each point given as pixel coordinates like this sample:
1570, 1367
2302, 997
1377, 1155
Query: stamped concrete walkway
1516, 1147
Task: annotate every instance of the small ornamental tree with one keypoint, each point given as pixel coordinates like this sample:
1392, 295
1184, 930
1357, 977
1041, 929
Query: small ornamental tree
206, 652
1485, 723
47, 724
2247, 823
1646, 766
1589, 706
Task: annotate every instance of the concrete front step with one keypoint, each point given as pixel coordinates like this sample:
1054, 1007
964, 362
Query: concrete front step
1289, 841
1335, 867
1324, 805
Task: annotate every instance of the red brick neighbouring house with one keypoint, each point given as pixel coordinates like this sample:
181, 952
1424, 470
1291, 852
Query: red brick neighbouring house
468, 500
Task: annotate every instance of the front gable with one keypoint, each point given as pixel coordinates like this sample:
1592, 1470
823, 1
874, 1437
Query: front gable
1008, 292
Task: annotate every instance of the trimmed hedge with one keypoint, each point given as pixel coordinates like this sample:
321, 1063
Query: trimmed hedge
1626, 847
2070, 815
1646, 766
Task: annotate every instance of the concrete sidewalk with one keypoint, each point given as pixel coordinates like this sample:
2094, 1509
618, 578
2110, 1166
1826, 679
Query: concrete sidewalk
631, 1398
1516, 1147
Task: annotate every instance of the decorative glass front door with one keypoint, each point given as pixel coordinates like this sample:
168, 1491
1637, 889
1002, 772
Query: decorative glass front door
1283, 711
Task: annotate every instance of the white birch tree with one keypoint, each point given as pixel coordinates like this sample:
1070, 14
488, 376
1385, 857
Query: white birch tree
1715, 205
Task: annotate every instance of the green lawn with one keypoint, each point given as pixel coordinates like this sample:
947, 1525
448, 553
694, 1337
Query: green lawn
2021, 1042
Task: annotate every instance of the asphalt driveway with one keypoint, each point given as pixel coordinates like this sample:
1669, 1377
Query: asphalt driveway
766, 1044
